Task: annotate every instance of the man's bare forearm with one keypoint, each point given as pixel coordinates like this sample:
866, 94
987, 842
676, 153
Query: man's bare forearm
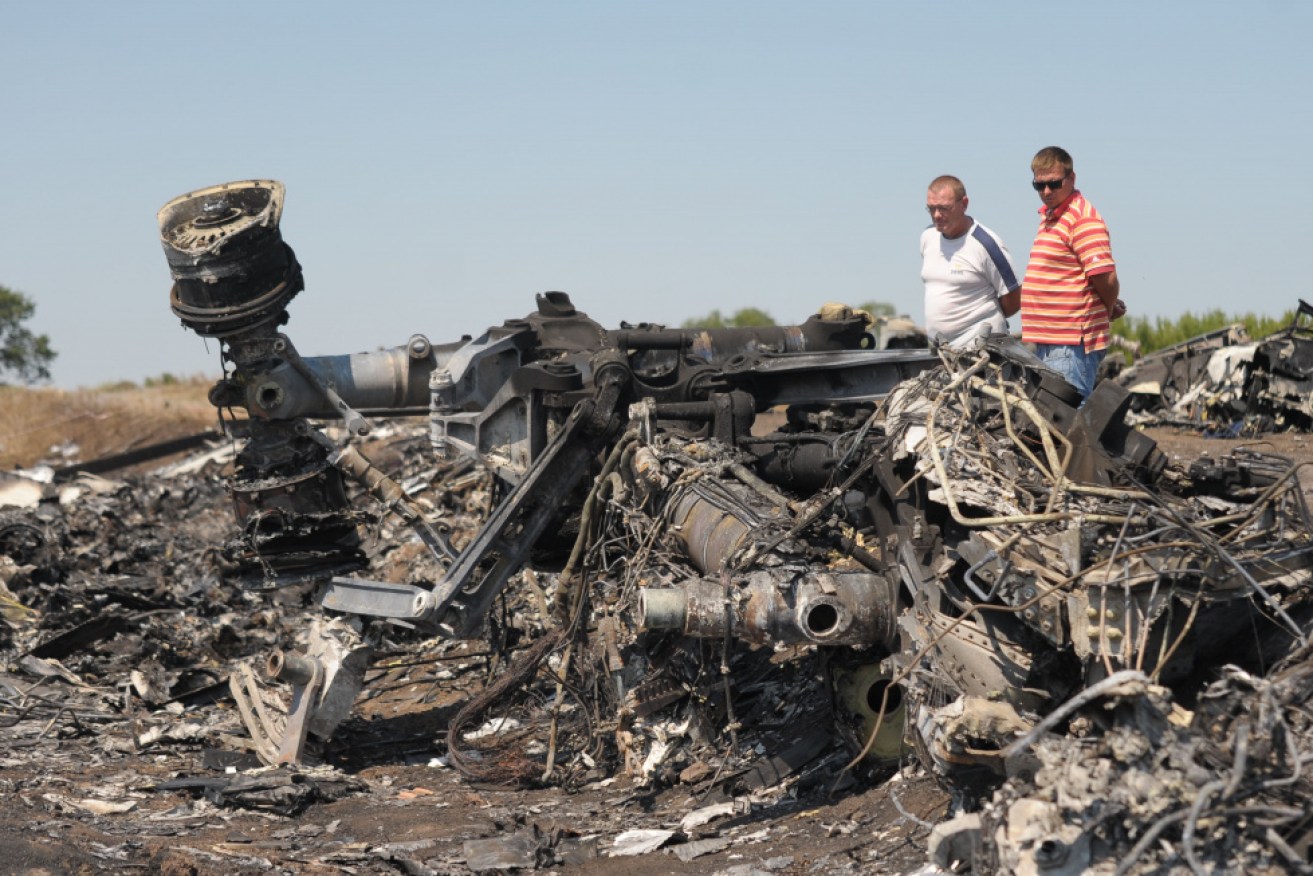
1010, 302
1107, 287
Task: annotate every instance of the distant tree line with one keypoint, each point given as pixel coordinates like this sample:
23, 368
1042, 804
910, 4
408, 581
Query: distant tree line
1151, 333
1159, 332
751, 317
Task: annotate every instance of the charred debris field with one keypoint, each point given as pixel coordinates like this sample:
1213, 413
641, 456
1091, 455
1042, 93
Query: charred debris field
566, 598
132, 602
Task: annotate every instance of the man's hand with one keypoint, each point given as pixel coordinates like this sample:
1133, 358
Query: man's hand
1118, 310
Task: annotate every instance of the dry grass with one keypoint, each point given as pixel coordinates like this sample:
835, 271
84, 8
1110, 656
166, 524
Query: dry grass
36, 423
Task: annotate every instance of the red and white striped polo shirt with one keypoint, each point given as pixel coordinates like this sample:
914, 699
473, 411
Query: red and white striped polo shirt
1058, 304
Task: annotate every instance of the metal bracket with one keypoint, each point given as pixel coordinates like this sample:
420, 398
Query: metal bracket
278, 739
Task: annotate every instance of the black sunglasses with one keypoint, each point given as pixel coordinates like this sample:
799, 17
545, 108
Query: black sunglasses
1050, 184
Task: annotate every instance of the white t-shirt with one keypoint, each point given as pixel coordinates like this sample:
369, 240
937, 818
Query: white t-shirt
964, 278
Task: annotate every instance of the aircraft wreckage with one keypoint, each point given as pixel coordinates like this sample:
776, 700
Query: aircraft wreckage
1103, 654
1228, 383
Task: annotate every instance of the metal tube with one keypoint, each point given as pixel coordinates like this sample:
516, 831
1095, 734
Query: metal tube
290, 667
825, 608
662, 609
386, 380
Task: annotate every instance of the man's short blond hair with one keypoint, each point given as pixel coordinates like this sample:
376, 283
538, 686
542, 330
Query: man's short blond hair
1052, 158
949, 182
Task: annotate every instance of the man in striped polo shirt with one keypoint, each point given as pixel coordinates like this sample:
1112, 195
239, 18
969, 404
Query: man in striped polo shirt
970, 288
1070, 294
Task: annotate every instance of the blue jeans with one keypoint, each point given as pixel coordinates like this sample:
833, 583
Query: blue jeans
1079, 368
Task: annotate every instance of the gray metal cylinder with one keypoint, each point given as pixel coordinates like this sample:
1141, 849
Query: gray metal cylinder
779, 606
662, 608
385, 380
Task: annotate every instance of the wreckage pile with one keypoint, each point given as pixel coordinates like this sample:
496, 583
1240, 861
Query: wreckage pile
1134, 606
1104, 656
1226, 383
919, 558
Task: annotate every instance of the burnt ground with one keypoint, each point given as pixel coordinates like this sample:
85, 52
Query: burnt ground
87, 787
416, 819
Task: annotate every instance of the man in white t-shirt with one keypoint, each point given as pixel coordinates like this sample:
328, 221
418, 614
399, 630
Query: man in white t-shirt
970, 288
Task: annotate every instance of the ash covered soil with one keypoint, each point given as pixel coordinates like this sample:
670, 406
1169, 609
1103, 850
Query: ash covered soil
106, 767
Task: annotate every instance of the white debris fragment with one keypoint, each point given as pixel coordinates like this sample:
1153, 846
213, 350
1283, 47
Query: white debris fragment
105, 807
191, 465
20, 492
42, 474
187, 732
493, 727
639, 842
707, 814
667, 736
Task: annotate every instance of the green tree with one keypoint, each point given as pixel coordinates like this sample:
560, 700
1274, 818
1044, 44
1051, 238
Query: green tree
22, 353
748, 317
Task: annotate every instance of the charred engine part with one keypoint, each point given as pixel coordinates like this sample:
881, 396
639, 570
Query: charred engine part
290, 500
796, 599
499, 397
868, 693
233, 277
306, 675
714, 345
713, 520
730, 415
232, 272
802, 462
1100, 430
274, 382
1096, 443
779, 606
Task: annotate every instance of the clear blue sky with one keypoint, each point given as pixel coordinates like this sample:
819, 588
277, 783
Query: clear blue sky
444, 162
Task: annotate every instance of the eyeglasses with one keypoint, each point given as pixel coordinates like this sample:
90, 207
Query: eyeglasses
932, 209
1051, 184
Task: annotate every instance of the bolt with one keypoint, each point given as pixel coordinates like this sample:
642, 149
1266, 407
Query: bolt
418, 347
